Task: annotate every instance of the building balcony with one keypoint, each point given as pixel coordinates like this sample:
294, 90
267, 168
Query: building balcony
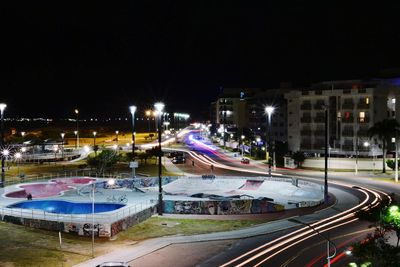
319, 106
362, 133
348, 133
305, 132
348, 106
319, 119
348, 120
363, 105
364, 120
305, 120
306, 106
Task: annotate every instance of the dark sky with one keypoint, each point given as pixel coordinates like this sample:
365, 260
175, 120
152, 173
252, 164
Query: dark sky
102, 56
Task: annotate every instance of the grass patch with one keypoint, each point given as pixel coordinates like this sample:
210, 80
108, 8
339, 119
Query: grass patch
22, 246
154, 227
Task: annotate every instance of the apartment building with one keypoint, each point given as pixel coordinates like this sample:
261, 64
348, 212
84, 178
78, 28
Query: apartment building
245, 108
353, 106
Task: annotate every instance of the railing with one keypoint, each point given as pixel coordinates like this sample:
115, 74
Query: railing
106, 217
347, 105
305, 106
319, 119
362, 105
305, 120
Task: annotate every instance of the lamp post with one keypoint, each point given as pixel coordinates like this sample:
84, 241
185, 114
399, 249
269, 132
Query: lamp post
242, 138
17, 157
159, 107
133, 110
2, 108
396, 167
269, 110
116, 137
328, 241
62, 147
148, 115
326, 155
94, 143
77, 127
55, 148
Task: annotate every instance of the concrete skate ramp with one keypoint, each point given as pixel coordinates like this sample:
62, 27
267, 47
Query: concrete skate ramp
278, 190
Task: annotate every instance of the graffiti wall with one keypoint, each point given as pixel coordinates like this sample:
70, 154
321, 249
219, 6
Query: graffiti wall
84, 229
247, 206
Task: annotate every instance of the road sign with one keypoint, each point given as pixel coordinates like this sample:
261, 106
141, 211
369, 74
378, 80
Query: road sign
133, 164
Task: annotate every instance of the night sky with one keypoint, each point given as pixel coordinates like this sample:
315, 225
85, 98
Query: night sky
101, 57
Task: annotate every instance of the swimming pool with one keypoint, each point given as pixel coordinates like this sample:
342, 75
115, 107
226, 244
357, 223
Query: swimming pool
66, 207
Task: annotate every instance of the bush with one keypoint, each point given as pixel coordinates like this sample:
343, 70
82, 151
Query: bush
391, 163
298, 157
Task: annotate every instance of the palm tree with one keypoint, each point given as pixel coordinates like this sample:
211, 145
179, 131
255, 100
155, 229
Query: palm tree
384, 130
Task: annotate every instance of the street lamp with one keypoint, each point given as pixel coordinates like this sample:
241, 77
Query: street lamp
328, 241
269, 110
77, 127
55, 148
116, 137
148, 114
2, 108
17, 157
94, 143
325, 107
159, 107
242, 138
62, 147
133, 110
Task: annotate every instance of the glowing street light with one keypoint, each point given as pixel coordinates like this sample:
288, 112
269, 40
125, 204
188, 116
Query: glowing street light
77, 127
269, 110
94, 143
116, 137
17, 157
2, 108
133, 109
148, 115
159, 108
62, 147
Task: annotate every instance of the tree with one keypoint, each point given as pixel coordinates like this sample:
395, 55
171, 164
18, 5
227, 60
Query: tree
298, 157
384, 130
144, 156
106, 159
375, 249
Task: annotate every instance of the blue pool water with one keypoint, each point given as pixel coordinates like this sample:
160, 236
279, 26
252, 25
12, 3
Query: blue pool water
65, 207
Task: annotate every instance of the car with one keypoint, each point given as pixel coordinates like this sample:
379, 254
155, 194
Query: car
178, 159
175, 154
113, 264
245, 161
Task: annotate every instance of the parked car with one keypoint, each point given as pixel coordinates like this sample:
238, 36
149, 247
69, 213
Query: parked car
113, 264
178, 160
245, 161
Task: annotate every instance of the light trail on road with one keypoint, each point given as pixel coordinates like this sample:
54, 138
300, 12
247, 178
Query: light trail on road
265, 252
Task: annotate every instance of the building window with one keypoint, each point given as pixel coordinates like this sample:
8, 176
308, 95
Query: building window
393, 100
362, 116
347, 115
367, 100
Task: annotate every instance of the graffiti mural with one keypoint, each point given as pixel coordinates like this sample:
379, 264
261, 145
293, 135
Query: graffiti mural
247, 206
